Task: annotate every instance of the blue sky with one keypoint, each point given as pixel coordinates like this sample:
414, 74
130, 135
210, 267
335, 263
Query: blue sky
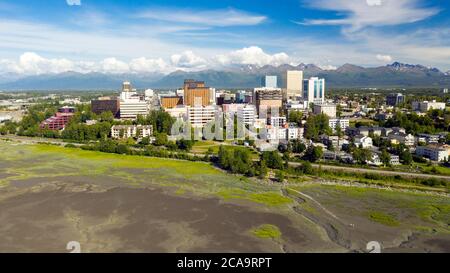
52, 36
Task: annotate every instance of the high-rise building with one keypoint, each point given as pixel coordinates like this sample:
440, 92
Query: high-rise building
395, 99
269, 82
131, 104
126, 87
196, 93
246, 114
314, 90
199, 116
168, 102
106, 104
294, 84
267, 98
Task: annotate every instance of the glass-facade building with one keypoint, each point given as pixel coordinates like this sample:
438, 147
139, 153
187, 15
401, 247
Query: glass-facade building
314, 90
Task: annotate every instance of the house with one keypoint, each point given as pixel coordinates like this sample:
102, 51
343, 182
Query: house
363, 141
401, 138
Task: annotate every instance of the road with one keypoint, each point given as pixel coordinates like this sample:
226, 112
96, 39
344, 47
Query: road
33, 140
381, 172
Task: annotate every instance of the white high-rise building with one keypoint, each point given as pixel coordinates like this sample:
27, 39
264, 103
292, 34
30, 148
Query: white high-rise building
314, 90
131, 104
247, 114
294, 84
199, 116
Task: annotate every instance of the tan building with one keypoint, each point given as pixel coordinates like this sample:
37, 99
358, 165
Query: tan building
294, 85
267, 98
171, 102
196, 93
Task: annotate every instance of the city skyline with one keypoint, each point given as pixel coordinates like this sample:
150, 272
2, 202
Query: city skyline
165, 36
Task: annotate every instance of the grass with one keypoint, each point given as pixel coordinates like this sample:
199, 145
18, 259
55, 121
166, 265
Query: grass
202, 147
383, 218
198, 178
393, 208
271, 199
267, 232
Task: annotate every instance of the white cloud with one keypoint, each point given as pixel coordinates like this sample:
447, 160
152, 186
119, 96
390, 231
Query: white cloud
73, 2
143, 64
384, 58
188, 60
362, 13
252, 55
218, 18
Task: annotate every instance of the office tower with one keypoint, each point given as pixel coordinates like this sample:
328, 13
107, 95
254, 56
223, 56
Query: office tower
126, 87
59, 120
131, 104
106, 104
395, 99
267, 98
269, 82
314, 90
199, 116
196, 93
294, 84
168, 102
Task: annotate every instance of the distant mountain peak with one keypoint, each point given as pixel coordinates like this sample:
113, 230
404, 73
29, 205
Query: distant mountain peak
397, 66
348, 68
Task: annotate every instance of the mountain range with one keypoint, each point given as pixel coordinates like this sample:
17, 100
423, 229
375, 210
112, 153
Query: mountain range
248, 76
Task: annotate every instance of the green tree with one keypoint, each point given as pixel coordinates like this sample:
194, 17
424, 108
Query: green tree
385, 157
279, 176
273, 160
161, 139
313, 153
406, 157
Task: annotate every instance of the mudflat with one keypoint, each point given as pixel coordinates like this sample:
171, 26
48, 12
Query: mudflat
50, 196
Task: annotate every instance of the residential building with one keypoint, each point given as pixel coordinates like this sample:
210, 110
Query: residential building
343, 123
269, 82
247, 114
294, 84
199, 116
434, 152
106, 104
294, 132
314, 90
59, 120
196, 93
401, 138
426, 106
276, 133
395, 160
129, 131
277, 121
364, 142
325, 108
395, 99
429, 139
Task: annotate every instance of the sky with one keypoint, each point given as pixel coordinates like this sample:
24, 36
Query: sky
139, 36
